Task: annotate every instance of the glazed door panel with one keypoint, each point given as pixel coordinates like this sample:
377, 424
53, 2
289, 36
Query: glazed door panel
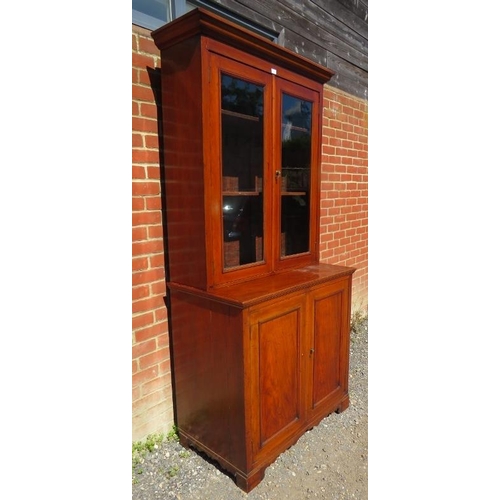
297, 166
276, 384
241, 111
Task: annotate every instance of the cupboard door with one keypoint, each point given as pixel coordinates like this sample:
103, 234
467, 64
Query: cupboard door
329, 348
276, 367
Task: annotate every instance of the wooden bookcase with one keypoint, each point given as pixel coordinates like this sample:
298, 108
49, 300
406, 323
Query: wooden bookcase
259, 328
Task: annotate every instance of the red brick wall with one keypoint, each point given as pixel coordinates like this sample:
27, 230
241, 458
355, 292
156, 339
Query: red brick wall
344, 188
344, 228
152, 409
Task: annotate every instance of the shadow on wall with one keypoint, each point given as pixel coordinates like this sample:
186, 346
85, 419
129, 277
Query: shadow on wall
155, 80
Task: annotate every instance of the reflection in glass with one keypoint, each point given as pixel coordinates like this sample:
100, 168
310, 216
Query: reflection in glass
242, 168
295, 174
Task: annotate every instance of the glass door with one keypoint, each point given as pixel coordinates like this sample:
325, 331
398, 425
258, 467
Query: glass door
242, 112
298, 166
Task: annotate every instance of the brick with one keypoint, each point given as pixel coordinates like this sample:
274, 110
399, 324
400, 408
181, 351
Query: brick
151, 142
353, 121
144, 348
144, 125
347, 110
140, 263
135, 108
142, 320
139, 233
138, 172
145, 156
141, 277
153, 358
153, 172
161, 314
144, 375
343, 99
137, 203
148, 304
145, 218
156, 261
164, 367
153, 203
140, 292
148, 46
163, 340
147, 247
137, 141
142, 60
158, 288
149, 110
151, 331
155, 232
336, 125
145, 188
142, 93
157, 384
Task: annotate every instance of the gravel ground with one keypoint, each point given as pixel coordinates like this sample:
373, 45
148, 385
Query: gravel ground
330, 461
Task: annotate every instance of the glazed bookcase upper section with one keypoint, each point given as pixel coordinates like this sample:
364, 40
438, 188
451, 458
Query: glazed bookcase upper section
241, 152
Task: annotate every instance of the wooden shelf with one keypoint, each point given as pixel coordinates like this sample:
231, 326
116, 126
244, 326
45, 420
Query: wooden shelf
243, 116
241, 193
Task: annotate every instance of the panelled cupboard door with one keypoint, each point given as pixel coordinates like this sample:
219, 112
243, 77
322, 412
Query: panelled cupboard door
276, 362
328, 349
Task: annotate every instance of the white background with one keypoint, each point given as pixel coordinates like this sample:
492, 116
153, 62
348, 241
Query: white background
65, 208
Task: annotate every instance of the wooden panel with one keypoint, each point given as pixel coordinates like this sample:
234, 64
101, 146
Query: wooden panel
278, 373
333, 33
348, 78
183, 162
259, 17
327, 330
207, 348
322, 28
356, 20
357, 7
276, 364
328, 343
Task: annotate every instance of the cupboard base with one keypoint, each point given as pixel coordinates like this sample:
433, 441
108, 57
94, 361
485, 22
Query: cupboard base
248, 481
244, 481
